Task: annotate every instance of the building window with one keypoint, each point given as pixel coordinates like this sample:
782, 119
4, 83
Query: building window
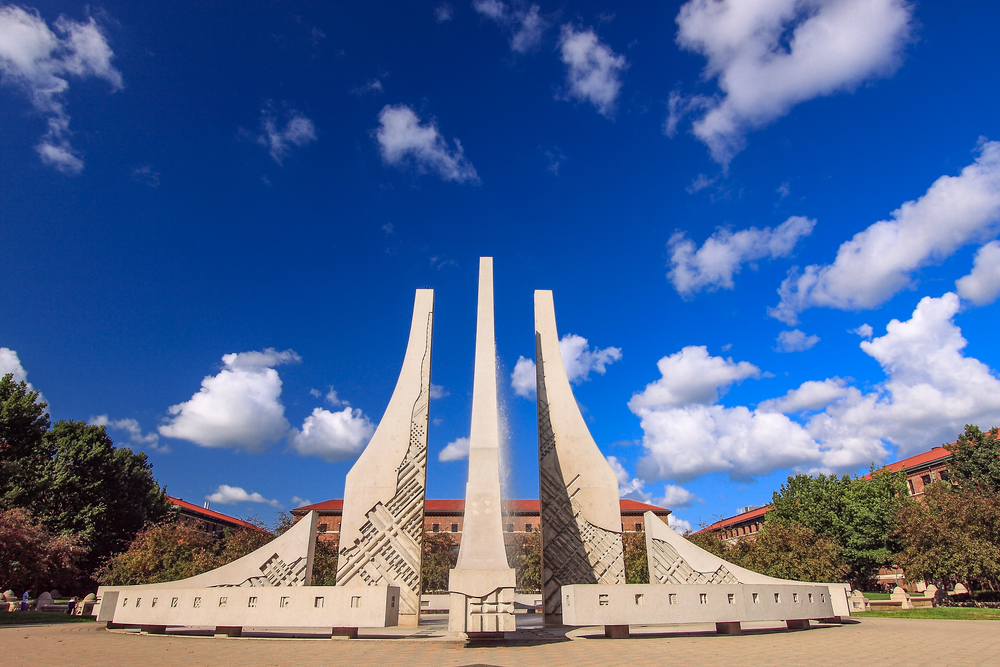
510, 528
945, 476
703, 598
909, 483
435, 527
926, 479
454, 527
527, 527
638, 527
323, 527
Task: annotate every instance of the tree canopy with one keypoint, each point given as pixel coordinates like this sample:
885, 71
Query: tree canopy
976, 458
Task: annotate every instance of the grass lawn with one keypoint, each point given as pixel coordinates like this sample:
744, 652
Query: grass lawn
956, 613
877, 596
35, 617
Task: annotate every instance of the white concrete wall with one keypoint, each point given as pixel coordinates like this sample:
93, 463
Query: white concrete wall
652, 604
290, 607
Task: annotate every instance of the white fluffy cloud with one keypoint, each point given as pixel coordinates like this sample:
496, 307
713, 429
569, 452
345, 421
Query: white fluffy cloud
578, 359
724, 253
136, 438
278, 138
240, 407
691, 377
795, 341
680, 525
865, 331
406, 142
10, 363
770, 55
332, 436
437, 391
931, 391
982, 286
443, 13
456, 450
38, 60
880, 261
231, 495
593, 71
525, 25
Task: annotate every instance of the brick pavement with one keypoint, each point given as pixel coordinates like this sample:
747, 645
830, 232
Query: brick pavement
874, 641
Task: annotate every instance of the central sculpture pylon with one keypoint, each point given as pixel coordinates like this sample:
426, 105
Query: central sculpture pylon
482, 583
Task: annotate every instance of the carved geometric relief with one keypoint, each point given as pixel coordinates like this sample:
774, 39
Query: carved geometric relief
390, 548
574, 551
670, 568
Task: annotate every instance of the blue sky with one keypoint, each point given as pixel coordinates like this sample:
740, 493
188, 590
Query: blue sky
769, 227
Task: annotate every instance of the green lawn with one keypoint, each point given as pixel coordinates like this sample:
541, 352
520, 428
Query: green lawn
877, 596
955, 613
35, 617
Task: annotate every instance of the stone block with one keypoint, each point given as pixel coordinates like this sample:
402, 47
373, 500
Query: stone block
729, 628
616, 631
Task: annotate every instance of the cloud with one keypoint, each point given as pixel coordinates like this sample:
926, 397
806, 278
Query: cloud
456, 450
437, 391
145, 174
675, 496
279, 139
443, 13
724, 253
405, 142
982, 286
369, 86
136, 438
680, 525
232, 495
879, 261
10, 363
240, 407
865, 331
771, 55
38, 60
556, 158
332, 398
691, 377
578, 359
332, 436
593, 70
795, 341
931, 391
300, 502
526, 26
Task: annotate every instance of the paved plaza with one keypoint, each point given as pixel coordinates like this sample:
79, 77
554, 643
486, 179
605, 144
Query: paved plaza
869, 641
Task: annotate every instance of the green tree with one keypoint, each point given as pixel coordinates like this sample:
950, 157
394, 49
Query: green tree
324, 563
32, 557
23, 423
524, 554
710, 542
440, 556
91, 488
789, 551
636, 563
952, 536
977, 458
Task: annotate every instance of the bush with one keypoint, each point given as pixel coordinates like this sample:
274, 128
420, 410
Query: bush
33, 558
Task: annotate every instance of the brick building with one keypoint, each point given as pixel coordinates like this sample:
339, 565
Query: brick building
920, 470
204, 519
448, 516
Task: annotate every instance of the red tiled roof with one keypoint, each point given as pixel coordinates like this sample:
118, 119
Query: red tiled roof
211, 514
458, 506
739, 518
935, 454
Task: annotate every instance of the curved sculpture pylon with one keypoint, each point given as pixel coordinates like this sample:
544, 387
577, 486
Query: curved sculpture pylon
580, 511
382, 528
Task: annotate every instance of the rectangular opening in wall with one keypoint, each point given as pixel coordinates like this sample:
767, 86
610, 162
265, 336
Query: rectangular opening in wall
392, 602
731, 597
355, 601
454, 527
638, 527
822, 597
173, 602
527, 527
672, 598
284, 602
795, 597
510, 528
124, 601
810, 598
153, 603
756, 598
602, 599
435, 527
252, 602
137, 601
640, 599
197, 603
777, 597
323, 527
223, 601
703, 598
425, 603
318, 603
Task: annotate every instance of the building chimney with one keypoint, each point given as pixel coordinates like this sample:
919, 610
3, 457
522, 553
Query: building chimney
206, 504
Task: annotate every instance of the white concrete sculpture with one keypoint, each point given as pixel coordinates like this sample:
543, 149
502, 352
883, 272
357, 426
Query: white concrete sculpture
382, 529
580, 513
691, 585
482, 584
